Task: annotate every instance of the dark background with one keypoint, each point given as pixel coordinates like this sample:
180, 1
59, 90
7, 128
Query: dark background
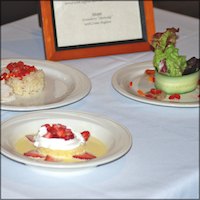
14, 10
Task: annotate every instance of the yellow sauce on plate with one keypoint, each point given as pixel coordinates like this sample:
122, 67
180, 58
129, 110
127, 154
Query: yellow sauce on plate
93, 146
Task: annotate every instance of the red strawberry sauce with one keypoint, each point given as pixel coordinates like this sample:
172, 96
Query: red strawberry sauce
17, 69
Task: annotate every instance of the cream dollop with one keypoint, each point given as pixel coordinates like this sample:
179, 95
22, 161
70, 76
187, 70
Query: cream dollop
57, 143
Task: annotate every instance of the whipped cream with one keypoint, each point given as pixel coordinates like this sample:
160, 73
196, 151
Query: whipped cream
7, 93
57, 143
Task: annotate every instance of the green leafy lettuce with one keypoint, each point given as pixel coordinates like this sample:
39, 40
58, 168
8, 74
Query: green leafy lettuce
166, 59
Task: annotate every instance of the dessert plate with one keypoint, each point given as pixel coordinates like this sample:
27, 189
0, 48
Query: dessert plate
63, 85
117, 138
135, 74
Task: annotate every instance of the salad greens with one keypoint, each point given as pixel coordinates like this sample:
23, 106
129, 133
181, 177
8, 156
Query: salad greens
166, 58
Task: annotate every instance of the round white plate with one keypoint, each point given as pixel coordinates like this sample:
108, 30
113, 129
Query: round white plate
135, 73
116, 137
63, 85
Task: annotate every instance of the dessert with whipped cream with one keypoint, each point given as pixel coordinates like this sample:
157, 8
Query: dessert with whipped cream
57, 142
20, 79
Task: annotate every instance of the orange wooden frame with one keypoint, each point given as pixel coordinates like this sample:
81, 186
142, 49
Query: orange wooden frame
53, 54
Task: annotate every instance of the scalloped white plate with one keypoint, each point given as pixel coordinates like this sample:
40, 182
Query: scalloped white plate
63, 85
135, 73
116, 137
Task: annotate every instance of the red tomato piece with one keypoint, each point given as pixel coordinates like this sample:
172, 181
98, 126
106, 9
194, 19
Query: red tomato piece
155, 91
149, 96
150, 71
175, 96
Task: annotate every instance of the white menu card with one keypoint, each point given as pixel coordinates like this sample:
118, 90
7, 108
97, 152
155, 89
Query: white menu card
95, 22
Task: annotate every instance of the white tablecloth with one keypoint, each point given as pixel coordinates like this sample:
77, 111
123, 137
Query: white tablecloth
163, 161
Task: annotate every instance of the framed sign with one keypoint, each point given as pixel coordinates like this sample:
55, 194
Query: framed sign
80, 29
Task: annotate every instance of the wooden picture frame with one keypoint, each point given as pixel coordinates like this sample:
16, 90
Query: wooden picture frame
69, 35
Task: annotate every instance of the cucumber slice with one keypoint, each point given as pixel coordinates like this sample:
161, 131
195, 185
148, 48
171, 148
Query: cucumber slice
181, 84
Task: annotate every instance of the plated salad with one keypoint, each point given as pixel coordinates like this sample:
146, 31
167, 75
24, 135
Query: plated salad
173, 72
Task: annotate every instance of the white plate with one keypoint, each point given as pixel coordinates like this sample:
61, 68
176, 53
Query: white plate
135, 73
63, 85
116, 137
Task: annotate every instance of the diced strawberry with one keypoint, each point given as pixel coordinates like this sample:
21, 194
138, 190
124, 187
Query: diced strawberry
85, 156
47, 125
86, 135
60, 133
53, 131
34, 154
140, 92
69, 135
10, 66
48, 135
155, 91
30, 138
175, 96
16, 70
58, 126
19, 69
4, 76
20, 64
61, 126
50, 158
150, 96
150, 71
171, 97
151, 79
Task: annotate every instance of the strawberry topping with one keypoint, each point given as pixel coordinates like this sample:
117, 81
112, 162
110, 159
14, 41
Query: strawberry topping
150, 71
155, 94
85, 156
148, 95
155, 91
50, 158
17, 69
34, 154
175, 96
86, 135
58, 131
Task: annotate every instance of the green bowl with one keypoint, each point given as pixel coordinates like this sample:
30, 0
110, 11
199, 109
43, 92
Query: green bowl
180, 84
